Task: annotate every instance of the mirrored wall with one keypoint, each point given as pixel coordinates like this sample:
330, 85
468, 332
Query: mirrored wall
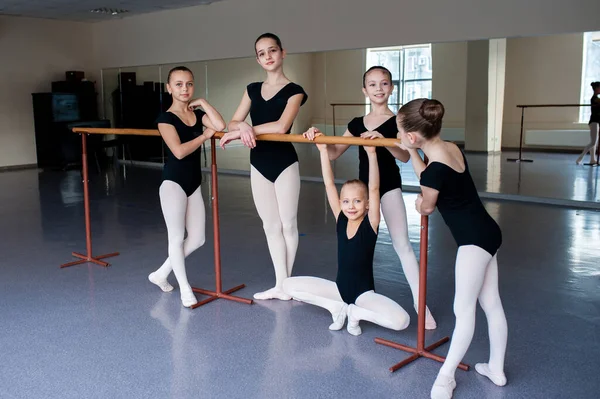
536, 70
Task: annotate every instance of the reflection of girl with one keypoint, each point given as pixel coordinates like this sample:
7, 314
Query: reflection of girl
381, 122
352, 295
180, 196
447, 184
274, 174
593, 124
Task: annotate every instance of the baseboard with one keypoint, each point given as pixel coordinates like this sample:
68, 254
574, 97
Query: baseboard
18, 167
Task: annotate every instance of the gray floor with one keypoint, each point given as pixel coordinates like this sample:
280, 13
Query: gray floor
89, 332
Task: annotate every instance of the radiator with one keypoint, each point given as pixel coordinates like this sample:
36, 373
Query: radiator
557, 138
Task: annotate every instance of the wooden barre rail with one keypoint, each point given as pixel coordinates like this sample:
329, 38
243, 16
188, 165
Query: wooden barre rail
287, 138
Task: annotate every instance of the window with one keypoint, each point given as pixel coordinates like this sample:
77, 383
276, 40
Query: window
411, 69
591, 71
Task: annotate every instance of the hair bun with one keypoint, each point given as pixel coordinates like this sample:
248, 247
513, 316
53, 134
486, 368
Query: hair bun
432, 111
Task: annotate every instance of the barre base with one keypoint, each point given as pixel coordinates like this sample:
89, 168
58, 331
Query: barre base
90, 259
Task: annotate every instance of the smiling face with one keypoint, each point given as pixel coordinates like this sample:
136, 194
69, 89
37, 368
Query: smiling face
378, 86
354, 200
181, 86
268, 54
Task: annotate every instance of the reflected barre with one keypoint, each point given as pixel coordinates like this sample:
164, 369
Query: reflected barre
288, 138
523, 107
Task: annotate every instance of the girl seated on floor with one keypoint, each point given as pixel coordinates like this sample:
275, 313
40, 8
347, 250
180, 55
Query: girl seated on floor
352, 295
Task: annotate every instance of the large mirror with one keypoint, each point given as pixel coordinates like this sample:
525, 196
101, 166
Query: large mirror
481, 84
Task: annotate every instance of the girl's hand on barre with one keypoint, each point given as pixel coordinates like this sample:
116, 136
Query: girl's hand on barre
369, 149
312, 133
195, 103
247, 135
418, 203
371, 135
227, 137
208, 133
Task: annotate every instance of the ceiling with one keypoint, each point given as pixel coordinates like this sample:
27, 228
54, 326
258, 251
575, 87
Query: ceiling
79, 10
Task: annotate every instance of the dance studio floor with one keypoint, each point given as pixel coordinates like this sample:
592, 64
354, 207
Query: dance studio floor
89, 332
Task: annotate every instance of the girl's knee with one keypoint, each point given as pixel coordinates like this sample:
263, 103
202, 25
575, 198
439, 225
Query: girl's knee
272, 228
401, 322
196, 241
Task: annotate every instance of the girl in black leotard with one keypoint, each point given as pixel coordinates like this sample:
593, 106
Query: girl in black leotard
593, 125
379, 123
274, 174
447, 184
180, 196
352, 294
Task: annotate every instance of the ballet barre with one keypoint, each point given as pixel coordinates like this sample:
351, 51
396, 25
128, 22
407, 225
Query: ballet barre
418, 352
520, 158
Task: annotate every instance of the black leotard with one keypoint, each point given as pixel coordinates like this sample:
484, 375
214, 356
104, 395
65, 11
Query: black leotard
461, 207
186, 172
355, 259
595, 116
268, 157
389, 173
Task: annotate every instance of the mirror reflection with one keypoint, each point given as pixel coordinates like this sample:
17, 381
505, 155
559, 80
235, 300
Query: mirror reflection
481, 84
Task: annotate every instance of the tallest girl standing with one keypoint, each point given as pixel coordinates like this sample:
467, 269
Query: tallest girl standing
274, 173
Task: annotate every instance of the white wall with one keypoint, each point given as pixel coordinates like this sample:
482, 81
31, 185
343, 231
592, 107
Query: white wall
542, 70
450, 82
34, 52
227, 29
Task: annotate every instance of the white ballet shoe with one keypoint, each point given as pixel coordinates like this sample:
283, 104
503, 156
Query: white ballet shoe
188, 299
443, 387
430, 323
339, 319
484, 370
353, 327
162, 284
273, 293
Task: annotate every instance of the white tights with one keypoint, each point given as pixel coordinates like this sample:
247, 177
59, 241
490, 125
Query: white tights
369, 306
181, 213
277, 206
394, 214
476, 278
591, 147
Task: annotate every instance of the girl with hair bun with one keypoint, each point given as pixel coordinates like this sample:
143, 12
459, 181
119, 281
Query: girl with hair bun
446, 183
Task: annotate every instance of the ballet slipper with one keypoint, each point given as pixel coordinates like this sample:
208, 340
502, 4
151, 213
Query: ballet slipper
353, 327
484, 370
273, 293
162, 284
188, 299
443, 387
430, 323
339, 319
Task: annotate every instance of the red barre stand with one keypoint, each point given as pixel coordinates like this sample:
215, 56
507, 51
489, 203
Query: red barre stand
215, 211
420, 350
86, 206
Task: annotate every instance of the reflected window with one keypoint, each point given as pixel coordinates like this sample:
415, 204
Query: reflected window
411, 68
590, 71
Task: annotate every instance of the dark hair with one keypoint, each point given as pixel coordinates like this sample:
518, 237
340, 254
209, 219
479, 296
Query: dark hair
179, 68
595, 85
268, 36
422, 115
357, 183
373, 68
